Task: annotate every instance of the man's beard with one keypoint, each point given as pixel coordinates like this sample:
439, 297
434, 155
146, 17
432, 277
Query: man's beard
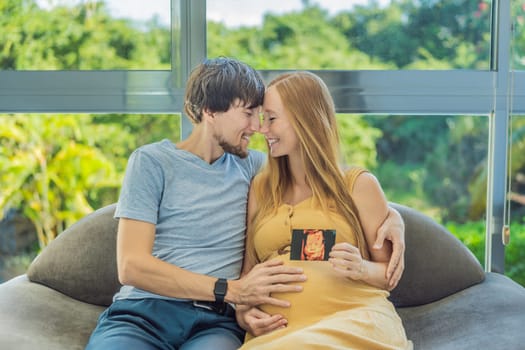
235, 150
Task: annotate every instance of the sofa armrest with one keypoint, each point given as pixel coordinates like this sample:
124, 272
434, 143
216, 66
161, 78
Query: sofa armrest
34, 316
488, 315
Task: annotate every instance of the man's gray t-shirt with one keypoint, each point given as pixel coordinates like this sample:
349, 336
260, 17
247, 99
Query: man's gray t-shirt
199, 209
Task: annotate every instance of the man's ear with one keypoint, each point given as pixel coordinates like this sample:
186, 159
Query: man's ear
208, 115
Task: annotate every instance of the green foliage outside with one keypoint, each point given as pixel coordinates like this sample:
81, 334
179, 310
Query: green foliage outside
78, 37
473, 235
515, 253
48, 167
57, 168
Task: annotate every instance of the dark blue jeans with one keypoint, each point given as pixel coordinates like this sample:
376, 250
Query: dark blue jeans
145, 324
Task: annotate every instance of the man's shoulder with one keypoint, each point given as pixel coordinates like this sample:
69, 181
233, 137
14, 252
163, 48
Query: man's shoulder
257, 158
155, 146
258, 155
155, 149
252, 163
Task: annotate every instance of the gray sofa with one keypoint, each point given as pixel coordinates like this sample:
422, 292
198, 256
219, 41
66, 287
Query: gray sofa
445, 298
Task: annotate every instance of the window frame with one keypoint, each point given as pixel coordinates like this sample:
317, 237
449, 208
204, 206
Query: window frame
497, 92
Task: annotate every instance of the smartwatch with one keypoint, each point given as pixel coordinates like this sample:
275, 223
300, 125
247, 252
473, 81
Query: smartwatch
221, 286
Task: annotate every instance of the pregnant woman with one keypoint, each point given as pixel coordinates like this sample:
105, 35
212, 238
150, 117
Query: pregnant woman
343, 304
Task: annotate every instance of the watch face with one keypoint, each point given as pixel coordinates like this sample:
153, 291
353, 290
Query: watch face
220, 289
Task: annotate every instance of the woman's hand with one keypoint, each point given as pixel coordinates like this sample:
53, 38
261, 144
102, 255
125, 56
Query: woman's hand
347, 260
257, 322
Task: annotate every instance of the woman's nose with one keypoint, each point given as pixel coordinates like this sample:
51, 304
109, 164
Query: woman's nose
263, 129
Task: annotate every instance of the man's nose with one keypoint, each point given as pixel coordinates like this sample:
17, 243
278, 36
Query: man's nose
255, 124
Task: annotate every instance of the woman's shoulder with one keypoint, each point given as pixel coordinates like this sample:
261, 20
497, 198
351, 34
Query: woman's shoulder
258, 178
352, 172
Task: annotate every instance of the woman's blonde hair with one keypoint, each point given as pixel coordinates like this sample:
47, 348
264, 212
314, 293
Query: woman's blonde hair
312, 114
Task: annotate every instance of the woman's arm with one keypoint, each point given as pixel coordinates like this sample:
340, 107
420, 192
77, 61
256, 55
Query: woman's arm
373, 210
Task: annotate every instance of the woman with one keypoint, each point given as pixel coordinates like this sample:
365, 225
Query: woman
344, 300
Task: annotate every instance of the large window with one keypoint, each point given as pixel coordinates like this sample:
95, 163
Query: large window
398, 69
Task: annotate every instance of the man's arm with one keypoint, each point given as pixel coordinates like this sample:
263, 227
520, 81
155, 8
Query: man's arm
393, 230
251, 318
139, 268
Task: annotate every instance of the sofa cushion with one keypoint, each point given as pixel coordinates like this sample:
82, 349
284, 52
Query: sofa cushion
81, 261
437, 264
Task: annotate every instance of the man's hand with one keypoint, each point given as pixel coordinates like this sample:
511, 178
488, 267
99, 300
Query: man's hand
272, 276
257, 322
393, 229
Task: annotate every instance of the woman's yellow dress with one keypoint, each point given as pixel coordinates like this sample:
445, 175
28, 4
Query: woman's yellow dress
331, 312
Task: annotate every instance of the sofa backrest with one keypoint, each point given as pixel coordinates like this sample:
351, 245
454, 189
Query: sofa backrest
81, 261
437, 264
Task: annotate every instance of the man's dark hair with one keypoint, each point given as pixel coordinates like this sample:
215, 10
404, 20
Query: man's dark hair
217, 83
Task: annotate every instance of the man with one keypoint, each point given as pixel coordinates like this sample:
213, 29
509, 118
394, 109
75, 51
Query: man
182, 211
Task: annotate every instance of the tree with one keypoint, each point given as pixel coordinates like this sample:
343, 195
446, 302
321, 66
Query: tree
49, 167
83, 36
381, 34
295, 40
